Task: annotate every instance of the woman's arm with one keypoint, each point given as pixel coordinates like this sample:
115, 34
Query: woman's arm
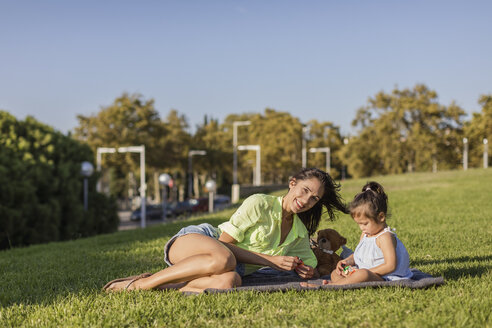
387, 243
284, 263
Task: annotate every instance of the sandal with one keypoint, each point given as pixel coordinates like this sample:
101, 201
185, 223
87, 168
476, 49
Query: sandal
131, 280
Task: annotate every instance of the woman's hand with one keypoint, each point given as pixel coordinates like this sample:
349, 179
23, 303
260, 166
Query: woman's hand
285, 263
304, 271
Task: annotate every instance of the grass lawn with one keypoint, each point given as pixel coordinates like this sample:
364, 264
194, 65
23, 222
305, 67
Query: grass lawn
444, 219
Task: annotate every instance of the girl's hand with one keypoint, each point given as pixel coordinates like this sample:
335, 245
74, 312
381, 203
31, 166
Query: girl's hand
304, 271
340, 265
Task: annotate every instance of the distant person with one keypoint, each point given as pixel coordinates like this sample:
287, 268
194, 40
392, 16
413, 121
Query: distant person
265, 231
380, 255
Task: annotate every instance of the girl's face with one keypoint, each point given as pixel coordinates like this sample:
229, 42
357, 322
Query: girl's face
367, 225
303, 195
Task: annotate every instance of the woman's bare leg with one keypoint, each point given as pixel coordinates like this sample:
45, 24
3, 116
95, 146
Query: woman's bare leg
194, 256
225, 280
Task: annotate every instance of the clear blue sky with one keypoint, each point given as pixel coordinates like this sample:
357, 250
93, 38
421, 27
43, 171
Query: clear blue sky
315, 59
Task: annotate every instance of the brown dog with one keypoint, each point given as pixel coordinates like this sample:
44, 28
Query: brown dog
324, 248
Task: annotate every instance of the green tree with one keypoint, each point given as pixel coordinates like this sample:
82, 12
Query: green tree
321, 135
478, 129
41, 186
407, 130
129, 121
216, 141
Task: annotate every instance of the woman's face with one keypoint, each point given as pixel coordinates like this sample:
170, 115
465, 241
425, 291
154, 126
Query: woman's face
303, 195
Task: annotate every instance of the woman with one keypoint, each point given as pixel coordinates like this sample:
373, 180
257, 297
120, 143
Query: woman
265, 231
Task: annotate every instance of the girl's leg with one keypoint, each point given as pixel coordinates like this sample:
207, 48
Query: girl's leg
194, 256
361, 275
335, 276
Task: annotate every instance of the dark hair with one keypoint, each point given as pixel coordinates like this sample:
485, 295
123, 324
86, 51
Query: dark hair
373, 197
331, 198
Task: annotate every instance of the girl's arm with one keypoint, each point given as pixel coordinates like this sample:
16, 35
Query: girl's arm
284, 263
387, 243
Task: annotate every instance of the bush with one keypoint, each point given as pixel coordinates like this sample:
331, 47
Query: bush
41, 188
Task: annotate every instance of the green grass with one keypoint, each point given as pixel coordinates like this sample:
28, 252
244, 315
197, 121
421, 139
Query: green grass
444, 219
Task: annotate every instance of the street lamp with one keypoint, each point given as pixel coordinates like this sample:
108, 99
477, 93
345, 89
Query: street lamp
324, 150
191, 153
86, 170
305, 130
143, 187
344, 167
211, 186
465, 154
235, 185
485, 153
164, 181
257, 181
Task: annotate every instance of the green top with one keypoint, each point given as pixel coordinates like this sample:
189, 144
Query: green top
256, 227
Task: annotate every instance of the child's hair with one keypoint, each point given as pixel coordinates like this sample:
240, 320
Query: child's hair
373, 198
331, 198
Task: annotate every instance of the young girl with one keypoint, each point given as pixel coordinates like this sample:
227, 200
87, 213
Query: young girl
265, 231
380, 255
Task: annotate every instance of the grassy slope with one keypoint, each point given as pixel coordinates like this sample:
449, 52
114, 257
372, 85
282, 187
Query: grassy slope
444, 219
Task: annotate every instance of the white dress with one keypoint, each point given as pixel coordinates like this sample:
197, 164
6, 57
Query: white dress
368, 255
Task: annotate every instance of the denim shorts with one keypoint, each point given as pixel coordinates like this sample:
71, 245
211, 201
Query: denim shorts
204, 229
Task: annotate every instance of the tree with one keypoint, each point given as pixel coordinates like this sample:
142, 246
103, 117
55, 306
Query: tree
130, 121
406, 130
41, 186
325, 134
216, 141
478, 129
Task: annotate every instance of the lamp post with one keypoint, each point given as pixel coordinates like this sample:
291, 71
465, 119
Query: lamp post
86, 170
465, 154
485, 153
235, 185
305, 130
100, 151
164, 181
191, 153
211, 186
344, 167
257, 148
324, 150
143, 186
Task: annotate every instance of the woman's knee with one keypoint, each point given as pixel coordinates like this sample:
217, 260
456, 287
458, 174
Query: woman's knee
222, 262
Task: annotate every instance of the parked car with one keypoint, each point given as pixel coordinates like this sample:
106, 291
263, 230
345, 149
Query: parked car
183, 208
152, 212
201, 204
221, 202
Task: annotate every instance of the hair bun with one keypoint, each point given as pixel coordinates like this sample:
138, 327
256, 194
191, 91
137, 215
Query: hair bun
373, 186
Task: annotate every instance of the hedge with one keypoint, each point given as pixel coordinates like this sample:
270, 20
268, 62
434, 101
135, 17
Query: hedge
41, 188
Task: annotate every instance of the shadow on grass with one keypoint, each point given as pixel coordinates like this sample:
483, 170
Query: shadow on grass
455, 273
461, 259
476, 266
41, 274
